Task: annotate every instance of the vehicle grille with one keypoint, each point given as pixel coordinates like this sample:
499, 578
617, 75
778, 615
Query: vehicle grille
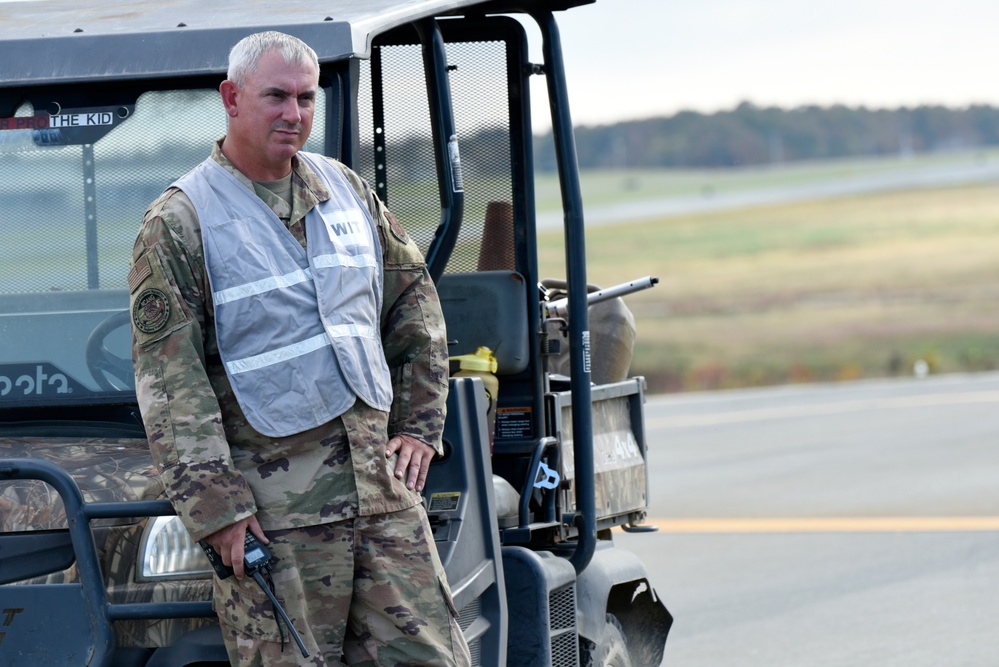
468, 615
562, 625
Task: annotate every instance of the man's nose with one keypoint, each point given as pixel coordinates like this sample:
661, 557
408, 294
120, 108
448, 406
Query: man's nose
292, 112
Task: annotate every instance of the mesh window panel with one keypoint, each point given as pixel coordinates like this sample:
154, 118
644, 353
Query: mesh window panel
42, 230
409, 173
169, 134
68, 221
47, 191
45, 211
479, 93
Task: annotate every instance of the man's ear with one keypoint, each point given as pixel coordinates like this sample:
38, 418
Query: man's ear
230, 92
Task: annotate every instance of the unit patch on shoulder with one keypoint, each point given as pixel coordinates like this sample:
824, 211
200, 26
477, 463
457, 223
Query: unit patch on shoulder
151, 311
397, 230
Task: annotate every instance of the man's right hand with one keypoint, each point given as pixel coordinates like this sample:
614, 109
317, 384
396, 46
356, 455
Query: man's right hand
228, 542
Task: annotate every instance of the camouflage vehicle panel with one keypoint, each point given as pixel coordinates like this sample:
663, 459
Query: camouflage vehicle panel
106, 470
619, 452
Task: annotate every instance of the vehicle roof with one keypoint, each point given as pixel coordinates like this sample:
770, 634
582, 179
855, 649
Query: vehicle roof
49, 41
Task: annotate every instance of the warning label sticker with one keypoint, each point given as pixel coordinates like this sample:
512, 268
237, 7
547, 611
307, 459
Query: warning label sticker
444, 502
513, 422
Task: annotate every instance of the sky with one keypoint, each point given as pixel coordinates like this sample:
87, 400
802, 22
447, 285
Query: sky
629, 59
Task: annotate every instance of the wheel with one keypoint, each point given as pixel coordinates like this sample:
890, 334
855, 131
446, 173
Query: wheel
611, 652
103, 364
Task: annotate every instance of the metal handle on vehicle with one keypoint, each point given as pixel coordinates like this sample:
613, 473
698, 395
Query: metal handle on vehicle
541, 448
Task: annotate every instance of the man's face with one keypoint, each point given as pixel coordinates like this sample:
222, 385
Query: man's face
271, 115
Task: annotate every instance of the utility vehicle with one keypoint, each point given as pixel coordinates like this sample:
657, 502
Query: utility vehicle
105, 103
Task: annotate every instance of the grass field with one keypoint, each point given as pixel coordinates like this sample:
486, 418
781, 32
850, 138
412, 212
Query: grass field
820, 291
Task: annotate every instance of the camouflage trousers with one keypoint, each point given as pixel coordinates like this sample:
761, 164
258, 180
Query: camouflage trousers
368, 591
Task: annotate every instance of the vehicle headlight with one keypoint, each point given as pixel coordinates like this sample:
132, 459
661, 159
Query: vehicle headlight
168, 552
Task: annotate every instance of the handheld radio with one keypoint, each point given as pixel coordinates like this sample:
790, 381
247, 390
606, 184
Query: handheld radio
256, 563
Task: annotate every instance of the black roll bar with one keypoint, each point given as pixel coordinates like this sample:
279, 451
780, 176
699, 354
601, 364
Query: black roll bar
575, 262
452, 191
78, 516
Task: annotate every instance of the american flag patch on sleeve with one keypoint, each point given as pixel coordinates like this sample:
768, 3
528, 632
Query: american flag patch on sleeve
139, 272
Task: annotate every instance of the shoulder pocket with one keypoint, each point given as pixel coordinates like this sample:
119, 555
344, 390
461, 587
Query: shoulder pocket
154, 300
399, 250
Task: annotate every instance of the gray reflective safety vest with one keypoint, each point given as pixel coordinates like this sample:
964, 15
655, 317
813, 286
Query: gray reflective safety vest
298, 330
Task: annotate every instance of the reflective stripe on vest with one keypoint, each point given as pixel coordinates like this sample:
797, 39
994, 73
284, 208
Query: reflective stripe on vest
298, 330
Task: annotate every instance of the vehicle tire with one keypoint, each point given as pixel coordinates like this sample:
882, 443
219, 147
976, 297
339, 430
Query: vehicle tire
611, 652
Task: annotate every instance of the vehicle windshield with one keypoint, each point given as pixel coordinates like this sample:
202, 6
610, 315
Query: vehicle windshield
74, 184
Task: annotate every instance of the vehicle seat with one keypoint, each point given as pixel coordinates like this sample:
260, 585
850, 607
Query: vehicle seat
487, 308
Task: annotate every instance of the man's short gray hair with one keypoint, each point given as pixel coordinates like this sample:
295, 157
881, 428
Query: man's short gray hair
243, 57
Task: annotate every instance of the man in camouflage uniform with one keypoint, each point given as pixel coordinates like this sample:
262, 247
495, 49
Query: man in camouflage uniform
338, 503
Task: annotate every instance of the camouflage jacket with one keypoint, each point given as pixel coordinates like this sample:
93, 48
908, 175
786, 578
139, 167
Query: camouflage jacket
216, 468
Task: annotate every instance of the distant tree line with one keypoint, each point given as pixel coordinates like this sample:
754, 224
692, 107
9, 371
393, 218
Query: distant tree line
752, 135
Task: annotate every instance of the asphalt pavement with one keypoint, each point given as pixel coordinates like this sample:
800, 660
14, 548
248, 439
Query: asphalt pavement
845, 524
